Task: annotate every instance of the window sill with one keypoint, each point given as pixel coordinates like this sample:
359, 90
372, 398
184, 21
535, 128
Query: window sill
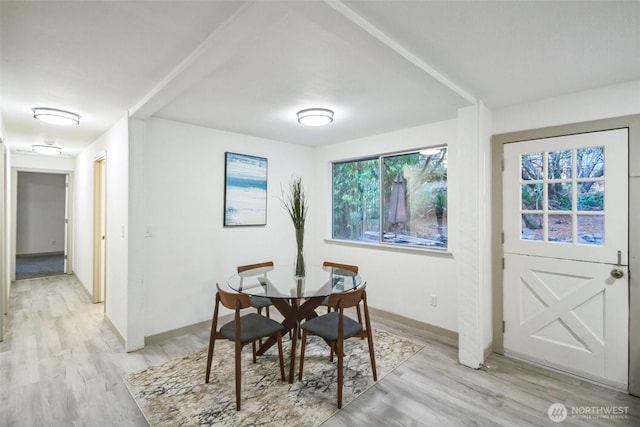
392, 248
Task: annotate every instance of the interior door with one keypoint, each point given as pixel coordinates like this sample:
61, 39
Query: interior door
565, 278
66, 224
4, 283
99, 230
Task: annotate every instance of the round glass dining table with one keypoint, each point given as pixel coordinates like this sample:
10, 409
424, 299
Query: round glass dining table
296, 298
279, 281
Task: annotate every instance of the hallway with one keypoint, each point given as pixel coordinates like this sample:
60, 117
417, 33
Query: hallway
61, 364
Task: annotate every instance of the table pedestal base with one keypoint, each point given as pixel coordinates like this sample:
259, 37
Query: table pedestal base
293, 315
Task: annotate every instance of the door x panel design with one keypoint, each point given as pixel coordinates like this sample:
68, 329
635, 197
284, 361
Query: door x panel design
569, 315
555, 316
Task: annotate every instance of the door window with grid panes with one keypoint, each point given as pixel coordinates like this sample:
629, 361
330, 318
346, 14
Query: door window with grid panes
562, 196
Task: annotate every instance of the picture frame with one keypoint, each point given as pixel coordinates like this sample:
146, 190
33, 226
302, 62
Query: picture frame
245, 190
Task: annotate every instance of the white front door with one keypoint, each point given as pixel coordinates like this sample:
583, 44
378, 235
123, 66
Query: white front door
565, 223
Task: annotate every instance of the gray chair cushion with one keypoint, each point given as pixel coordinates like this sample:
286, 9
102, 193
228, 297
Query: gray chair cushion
252, 327
260, 302
326, 326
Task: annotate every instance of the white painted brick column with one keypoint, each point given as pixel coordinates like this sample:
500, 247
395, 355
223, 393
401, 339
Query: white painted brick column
473, 257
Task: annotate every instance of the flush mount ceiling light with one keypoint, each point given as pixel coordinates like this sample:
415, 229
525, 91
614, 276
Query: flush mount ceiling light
315, 116
55, 116
46, 149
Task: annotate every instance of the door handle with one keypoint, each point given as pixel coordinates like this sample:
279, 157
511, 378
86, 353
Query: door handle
616, 273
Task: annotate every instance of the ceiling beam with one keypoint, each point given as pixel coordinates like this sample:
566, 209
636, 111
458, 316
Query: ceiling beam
224, 42
399, 49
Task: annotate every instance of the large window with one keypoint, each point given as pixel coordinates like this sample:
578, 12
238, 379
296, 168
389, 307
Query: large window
397, 199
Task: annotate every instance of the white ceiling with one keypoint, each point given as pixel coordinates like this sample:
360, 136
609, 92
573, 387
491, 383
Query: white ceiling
248, 67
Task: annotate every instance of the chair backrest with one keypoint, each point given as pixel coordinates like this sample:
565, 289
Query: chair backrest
242, 268
352, 268
347, 299
233, 300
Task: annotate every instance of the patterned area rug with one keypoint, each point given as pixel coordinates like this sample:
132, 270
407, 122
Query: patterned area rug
175, 394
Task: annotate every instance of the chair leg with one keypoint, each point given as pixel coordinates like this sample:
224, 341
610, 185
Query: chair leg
212, 343
253, 349
372, 354
279, 338
303, 345
359, 316
238, 373
259, 310
340, 353
267, 311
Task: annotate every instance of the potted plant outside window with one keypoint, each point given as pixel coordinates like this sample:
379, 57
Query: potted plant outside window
439, 200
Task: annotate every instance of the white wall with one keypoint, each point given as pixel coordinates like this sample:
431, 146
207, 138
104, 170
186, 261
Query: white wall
5, 276
41, 213
41, 163
115, 144
183, 196
600, 103
137, 256
398, 281
83, 213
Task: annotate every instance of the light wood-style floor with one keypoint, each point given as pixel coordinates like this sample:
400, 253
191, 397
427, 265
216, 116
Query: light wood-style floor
61, 365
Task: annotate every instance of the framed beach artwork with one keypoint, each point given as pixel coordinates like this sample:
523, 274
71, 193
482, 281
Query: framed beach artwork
245, 190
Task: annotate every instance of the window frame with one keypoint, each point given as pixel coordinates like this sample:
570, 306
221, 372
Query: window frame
381, 243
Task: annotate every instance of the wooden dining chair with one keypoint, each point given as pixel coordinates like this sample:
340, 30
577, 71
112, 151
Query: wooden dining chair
348, 268
258, 302
335, 327
242, 330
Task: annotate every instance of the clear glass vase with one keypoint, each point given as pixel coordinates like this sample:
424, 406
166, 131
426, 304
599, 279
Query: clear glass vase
299, 262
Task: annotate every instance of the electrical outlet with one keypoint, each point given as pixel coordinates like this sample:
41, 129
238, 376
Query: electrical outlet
434, 300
